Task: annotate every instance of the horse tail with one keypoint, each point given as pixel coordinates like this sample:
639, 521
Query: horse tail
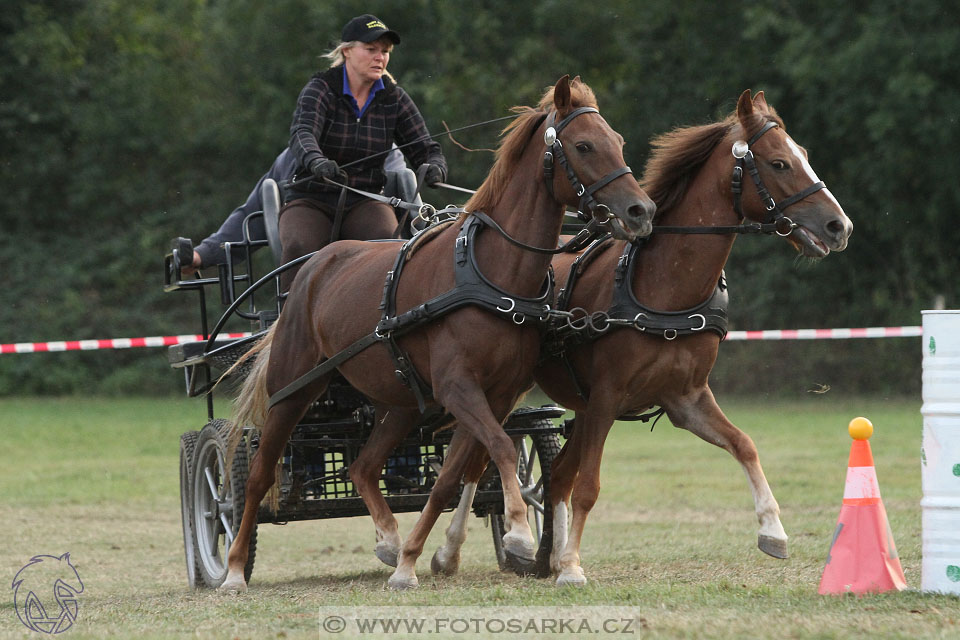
250, 406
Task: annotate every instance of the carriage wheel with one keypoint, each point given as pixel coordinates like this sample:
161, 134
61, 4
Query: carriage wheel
535, 454
218, 503
188, 445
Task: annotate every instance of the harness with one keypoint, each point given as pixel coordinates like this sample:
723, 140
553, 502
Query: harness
579, 326
471, 286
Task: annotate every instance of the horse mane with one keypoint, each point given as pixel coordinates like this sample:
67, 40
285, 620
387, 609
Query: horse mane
678, 156
515, 137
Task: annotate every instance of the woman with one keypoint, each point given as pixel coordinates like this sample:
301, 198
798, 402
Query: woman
351, 112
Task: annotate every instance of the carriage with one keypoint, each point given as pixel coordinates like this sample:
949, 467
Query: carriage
313, 479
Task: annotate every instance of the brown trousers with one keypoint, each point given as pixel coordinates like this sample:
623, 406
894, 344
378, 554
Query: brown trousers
305, 226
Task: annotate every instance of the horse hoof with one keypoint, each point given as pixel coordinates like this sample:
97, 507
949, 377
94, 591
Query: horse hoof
232, 585
773, 547
520, 565
572, 577
444, 568
400, 583
387, 554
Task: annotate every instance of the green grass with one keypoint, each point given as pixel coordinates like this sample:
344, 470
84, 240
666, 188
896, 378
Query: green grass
673, 535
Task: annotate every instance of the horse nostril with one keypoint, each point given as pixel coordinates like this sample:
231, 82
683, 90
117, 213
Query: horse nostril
836, 228
639, 211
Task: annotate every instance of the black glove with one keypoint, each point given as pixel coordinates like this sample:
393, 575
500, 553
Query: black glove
324, 168
433, 175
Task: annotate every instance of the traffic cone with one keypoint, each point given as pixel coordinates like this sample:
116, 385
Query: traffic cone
862, 556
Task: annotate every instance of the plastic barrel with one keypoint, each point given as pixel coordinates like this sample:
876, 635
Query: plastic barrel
940, 455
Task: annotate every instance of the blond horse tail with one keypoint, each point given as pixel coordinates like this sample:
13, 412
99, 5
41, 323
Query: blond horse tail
250, 406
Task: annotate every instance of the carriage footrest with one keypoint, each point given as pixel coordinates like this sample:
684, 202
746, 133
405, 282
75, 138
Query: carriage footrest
222, 356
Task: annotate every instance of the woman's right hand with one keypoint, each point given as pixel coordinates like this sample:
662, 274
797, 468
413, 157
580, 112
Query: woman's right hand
324, 168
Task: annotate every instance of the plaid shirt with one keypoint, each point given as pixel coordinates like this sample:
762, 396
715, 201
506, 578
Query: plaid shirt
326, 126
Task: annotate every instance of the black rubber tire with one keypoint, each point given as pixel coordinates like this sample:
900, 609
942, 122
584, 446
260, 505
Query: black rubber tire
542, 448
211, 544
188, 445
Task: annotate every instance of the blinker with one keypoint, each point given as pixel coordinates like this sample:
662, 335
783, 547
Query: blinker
549, 136
740, 149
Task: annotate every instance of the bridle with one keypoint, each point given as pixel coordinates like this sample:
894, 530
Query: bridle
782, 225
554, 152
775, 221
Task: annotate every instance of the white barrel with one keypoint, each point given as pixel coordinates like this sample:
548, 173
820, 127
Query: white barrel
940, 455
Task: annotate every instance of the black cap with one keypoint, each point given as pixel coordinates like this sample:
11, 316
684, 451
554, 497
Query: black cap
367, 28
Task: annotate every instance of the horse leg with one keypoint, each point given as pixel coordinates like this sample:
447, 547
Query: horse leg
446, 560
442, 492
280, 422
590, 432
390, 428
702, 416
563, 474
470, 407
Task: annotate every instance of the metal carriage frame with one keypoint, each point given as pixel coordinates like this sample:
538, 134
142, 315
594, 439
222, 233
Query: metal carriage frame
313, 481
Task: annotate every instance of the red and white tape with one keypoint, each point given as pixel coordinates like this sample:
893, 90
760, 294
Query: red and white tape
827, 334
108, 343
163, 341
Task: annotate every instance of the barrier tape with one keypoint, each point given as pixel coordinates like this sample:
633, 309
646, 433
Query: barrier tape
109, 343
164, 341
827, 334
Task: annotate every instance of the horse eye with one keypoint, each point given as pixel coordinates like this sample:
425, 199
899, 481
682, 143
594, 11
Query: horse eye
583, 147
779, 165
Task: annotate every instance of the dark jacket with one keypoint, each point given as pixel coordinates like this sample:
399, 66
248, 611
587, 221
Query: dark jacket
326, 126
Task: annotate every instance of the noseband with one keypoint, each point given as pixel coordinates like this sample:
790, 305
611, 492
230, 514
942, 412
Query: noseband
554, 152
783, 225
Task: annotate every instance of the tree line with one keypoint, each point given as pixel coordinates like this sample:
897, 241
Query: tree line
123, 125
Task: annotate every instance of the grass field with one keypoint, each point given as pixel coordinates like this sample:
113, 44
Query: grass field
673, 536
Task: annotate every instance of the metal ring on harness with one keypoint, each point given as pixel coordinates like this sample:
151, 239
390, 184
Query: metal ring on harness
582, 320
522, 319
784, 231
598, 318
428, 209
667, 335
636, 322
703, 322
513, 304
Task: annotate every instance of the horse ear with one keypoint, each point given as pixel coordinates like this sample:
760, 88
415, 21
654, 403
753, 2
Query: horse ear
760, 102
744, 105
745, 110
576, 80
561, 95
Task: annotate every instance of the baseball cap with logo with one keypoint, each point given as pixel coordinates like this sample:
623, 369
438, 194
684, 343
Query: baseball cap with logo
367, 28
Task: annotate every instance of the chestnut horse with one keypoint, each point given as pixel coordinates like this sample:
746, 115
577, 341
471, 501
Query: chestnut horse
473, 361
623, 371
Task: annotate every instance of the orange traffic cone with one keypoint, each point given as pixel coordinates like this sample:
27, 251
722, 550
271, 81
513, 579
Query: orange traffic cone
862, 556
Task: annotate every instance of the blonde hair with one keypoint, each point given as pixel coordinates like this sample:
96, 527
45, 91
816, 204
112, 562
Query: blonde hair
336, 57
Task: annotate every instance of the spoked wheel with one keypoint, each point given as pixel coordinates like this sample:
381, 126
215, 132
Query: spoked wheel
218, 499
188, 446
535, 454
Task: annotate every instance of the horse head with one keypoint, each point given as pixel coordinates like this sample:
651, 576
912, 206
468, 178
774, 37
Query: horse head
780, 171
590, 154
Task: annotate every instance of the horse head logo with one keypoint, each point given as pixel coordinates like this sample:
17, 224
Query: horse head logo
45, 593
